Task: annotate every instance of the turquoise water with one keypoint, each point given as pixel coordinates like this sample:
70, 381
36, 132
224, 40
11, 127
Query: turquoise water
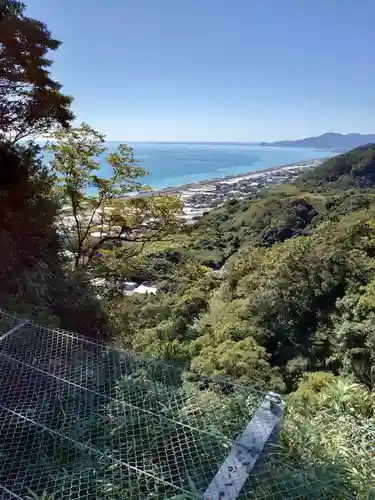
174, 164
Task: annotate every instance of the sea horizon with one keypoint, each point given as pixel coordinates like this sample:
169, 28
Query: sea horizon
251, 143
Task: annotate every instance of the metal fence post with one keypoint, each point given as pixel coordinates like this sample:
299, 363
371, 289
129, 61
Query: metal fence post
247, 450
14, 329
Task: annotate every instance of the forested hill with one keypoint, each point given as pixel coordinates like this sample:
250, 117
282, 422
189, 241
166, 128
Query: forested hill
355, 168
329, 140
271, 288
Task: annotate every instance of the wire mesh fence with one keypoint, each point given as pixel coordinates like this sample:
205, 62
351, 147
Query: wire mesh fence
81, 420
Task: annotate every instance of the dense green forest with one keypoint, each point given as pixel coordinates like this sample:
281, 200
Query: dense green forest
267, 289
276, 291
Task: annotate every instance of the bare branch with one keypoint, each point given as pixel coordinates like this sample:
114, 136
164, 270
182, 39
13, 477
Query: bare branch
66, 233
100, 201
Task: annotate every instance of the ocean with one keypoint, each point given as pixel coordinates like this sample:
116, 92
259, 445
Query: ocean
174, 164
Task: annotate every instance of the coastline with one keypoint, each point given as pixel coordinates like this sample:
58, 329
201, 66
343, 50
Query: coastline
252, 174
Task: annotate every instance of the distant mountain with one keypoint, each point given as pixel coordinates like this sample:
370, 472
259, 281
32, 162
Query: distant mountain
355, 168
330, 140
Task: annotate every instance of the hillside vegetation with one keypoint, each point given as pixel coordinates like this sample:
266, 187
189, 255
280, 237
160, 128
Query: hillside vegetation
295, 264
355, 168
276, 291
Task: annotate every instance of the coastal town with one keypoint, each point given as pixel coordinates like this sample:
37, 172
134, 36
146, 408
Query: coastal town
197, 199
204, 196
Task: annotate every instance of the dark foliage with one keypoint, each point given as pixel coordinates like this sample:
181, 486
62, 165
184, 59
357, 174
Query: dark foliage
32, 279
30, 100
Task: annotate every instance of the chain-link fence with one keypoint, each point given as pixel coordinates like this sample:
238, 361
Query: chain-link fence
81, 420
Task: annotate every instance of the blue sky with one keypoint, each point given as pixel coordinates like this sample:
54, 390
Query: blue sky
215, 70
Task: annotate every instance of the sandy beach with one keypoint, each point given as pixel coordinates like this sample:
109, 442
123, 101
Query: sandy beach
232, 179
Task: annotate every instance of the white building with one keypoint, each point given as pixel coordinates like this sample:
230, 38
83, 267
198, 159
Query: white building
144, 289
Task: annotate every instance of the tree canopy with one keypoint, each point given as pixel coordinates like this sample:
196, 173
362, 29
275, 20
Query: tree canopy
33, 280
95, 210
31, 102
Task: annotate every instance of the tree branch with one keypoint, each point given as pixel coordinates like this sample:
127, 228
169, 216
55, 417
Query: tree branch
66, 234
92, 217
121, 237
